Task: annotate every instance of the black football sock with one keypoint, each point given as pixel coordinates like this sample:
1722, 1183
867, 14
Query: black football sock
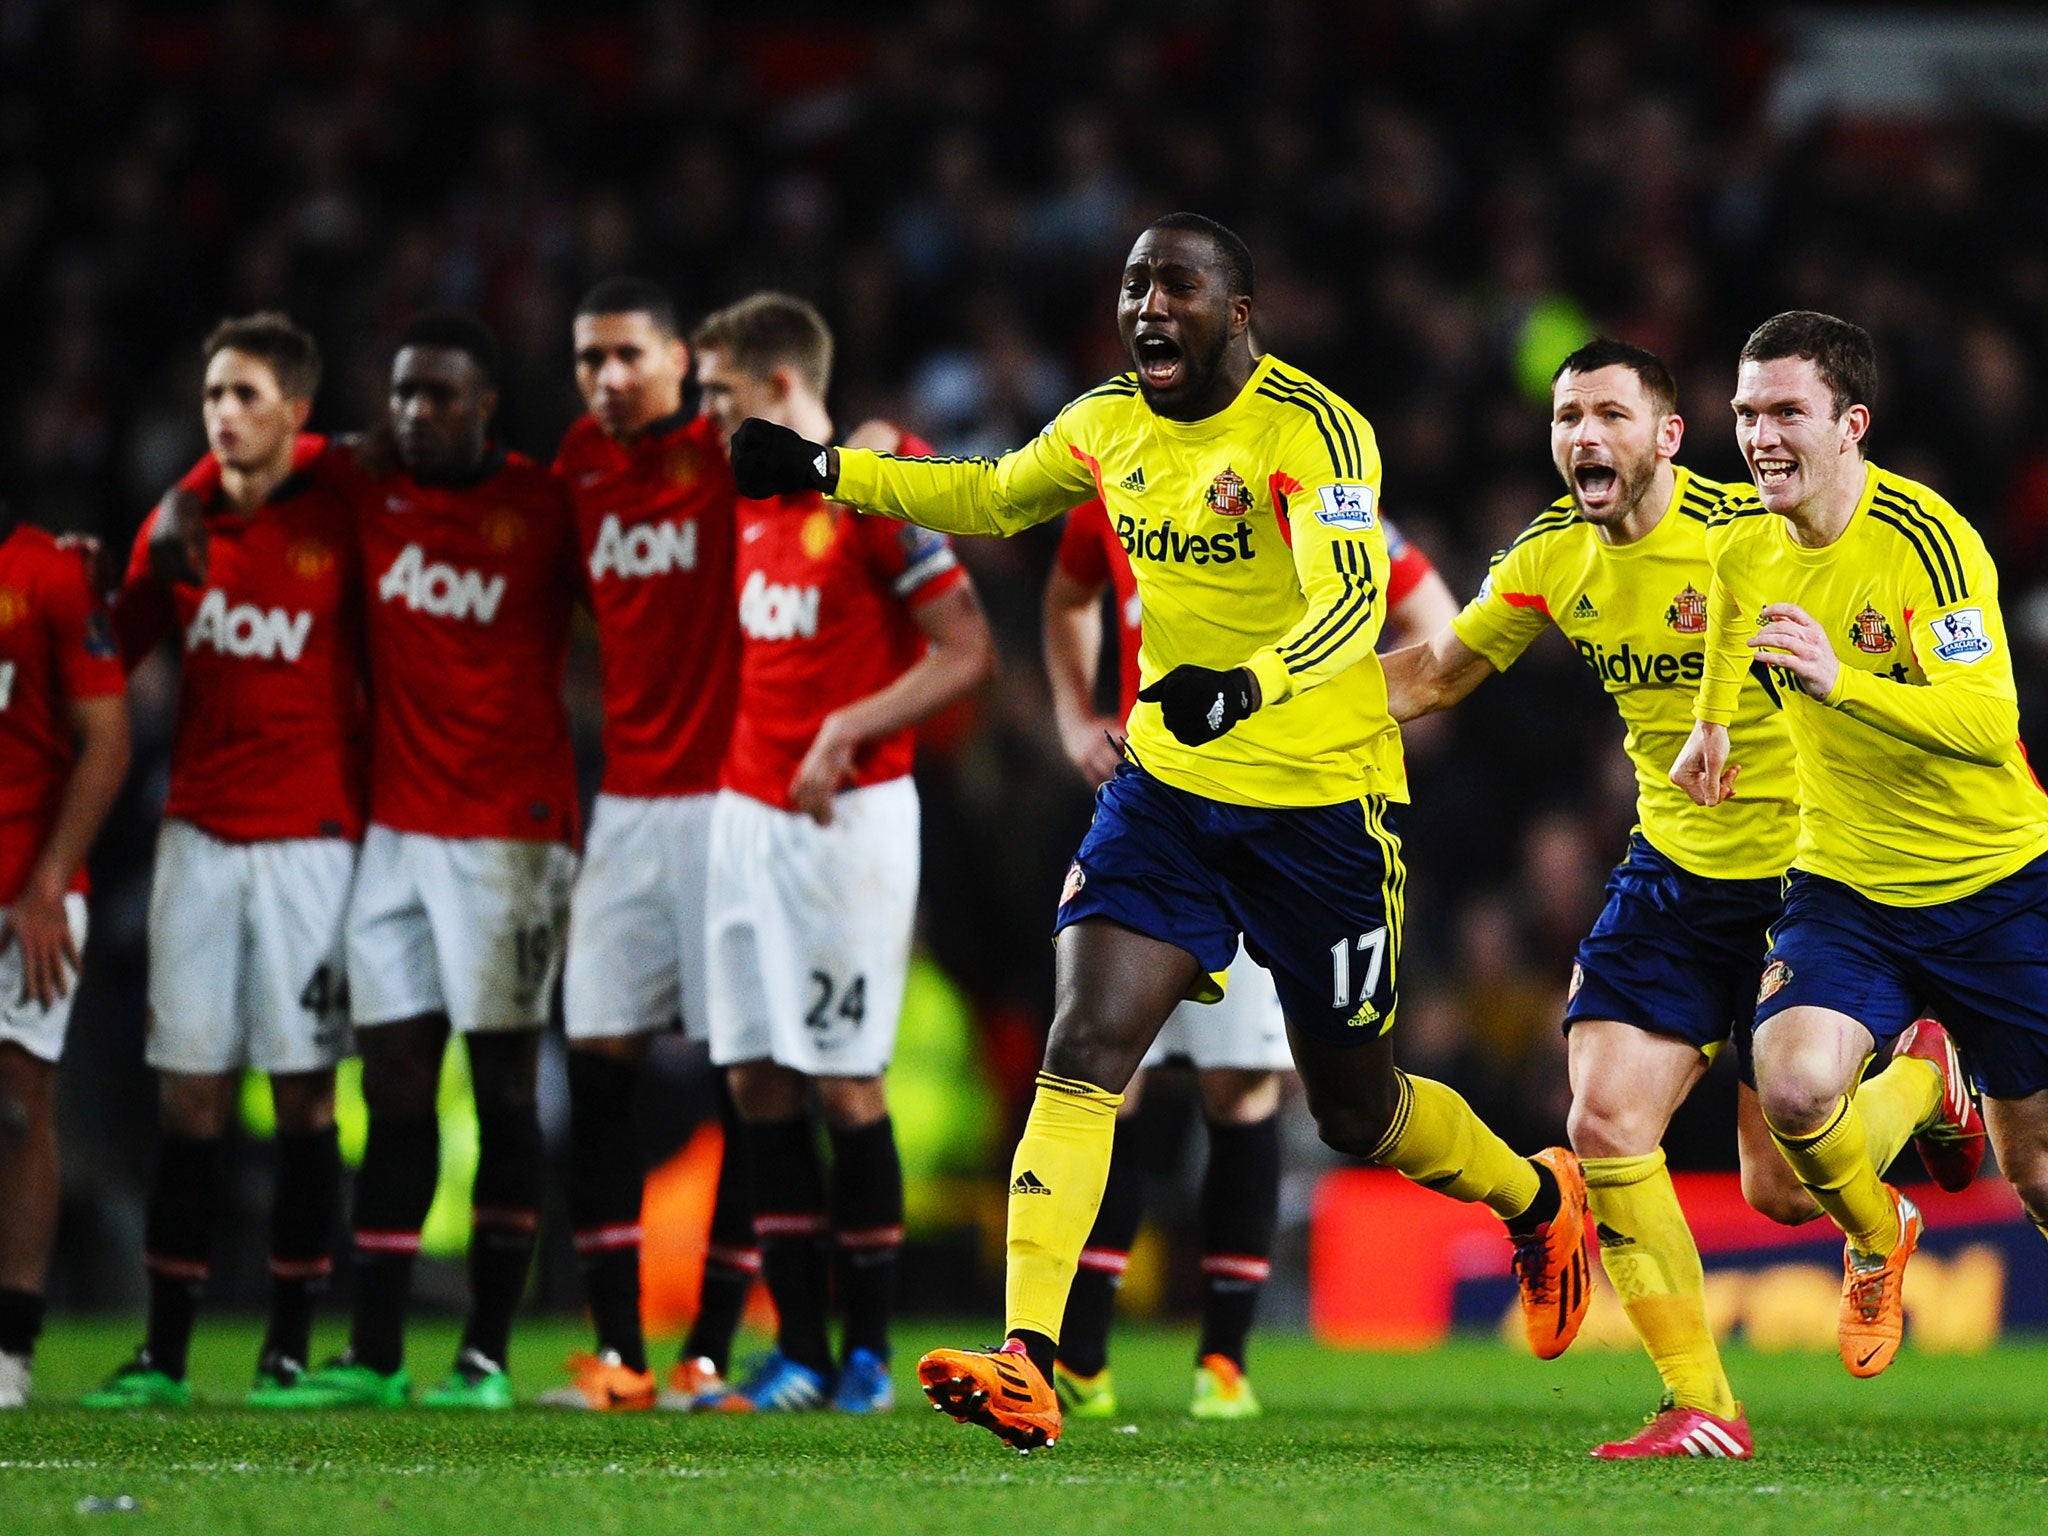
505, 1215
732, 1262
394, 1191
867, 1232
184, 1206
606, 1177
21, 1321
302, 1215
790, 1225
1548, 1202
1240, 1209
1040, 1348
1084, 1330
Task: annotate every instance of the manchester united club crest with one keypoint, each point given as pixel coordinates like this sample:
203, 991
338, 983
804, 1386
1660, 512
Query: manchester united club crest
1775, 975
13, 607
309, 559
503, 529
1229, 496
683, 467
818, 532
1688, 611
1870, 634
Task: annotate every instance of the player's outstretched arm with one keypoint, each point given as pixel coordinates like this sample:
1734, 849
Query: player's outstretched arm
1703, 770
1073, 650
1422, 679
959, 659
37, 920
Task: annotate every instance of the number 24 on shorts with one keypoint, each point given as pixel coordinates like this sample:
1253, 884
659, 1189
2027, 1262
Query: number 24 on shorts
852, 1003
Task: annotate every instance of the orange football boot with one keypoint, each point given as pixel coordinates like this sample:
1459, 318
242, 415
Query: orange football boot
999, 1389
1551, 1264
1873, 1317
601, 1382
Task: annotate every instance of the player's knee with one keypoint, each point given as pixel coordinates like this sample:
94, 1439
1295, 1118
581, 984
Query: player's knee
852, 1103
196, 1107
2029, 1178
1796, 1103
1355, 1127
1611, 1130
1777, 1195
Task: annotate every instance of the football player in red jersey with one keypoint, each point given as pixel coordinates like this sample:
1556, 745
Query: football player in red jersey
63, 754
855, 629
1238, 1045
256, 853
653, 499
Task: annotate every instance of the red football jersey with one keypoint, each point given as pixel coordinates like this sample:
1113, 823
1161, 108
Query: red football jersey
468, 591
55, 646
825, 600
1091, 555
270, 734
655, 518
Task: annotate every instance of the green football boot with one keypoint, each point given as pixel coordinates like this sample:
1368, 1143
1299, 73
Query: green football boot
1085, 1397
277, 1378
1223, 1391
476, 1382
340, 1383
139, 1384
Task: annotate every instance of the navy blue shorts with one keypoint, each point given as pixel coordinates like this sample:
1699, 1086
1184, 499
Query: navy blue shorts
1673, 952
1315, 891
1980, 965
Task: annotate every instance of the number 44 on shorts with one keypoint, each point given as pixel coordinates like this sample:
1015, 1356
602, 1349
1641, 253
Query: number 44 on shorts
1373, 946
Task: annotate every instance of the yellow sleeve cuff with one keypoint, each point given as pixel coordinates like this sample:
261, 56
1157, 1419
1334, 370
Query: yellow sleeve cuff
1276, 683
857, 481
1844, 687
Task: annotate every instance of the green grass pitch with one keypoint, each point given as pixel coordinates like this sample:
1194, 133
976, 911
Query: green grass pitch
1470, 1437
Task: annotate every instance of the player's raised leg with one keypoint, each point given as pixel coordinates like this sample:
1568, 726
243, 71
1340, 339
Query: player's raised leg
1807, 1063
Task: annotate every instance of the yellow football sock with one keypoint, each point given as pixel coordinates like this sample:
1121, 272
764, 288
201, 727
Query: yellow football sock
1056, 1182
1896, 1103
1834, 1165
1442, 1145
1650, 1255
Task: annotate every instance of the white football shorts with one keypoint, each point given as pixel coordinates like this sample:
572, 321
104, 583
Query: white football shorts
1245, 1029
467, 926
38, 1030
245, 953
636, 920
809, 930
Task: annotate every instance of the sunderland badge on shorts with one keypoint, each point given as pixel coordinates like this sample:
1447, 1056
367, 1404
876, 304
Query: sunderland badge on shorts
1773, 980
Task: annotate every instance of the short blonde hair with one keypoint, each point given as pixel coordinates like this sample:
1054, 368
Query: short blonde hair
767, 331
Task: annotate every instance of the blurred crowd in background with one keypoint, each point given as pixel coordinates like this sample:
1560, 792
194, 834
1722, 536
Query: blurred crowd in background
1443, 197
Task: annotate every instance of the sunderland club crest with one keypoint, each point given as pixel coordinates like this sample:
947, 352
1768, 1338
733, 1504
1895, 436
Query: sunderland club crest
1870, 634
1688, 611
1229, 495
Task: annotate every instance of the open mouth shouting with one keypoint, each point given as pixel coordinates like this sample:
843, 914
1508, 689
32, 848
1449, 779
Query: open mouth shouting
1597, 484
1161, 364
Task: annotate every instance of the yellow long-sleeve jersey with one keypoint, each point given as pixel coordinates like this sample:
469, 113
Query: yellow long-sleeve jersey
1637, 615
1914, 788
1256, 539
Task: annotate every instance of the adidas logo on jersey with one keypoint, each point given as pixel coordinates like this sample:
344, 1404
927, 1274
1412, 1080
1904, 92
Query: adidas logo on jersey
770, 611
650, 549
1029, 1183
1585, 609
439, 589
246, 631
1134, 481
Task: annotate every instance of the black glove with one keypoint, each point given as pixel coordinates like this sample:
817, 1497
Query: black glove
1199, 705
768, 460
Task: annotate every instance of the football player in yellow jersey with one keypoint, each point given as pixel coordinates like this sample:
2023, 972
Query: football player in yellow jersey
1254, 803
1619, 564
1921, 872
